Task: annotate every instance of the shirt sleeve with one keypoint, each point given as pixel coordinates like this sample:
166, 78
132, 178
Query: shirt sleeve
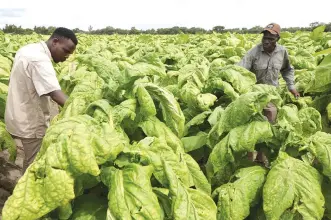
247, 61
287, 72
44, 77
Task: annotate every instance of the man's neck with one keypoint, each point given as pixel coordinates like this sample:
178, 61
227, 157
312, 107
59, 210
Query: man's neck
271, 51
48, 43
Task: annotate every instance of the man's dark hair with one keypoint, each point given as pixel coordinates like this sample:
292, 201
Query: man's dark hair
66, 33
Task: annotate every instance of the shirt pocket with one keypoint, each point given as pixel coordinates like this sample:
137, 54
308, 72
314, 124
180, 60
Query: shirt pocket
260, 65
260, 68
277, 66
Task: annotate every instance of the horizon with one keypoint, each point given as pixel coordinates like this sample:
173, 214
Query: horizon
148, 14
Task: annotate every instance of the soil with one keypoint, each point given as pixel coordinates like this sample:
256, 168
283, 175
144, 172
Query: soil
10, 172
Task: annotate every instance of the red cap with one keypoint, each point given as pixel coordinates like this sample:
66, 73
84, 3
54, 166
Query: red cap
273, 28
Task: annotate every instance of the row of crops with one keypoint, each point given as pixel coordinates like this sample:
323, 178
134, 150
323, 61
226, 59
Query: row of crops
159, 127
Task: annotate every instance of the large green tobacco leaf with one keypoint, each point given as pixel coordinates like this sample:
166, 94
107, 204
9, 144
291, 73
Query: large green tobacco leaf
153, 151
146, 103
293, 185
117, 80
215, 115
88, 139
193, 73
191, 79
236, 198
3, 97
5, 63
188, 203
239, 78
7, 142
288, 119
294, 127
69, 77
87, 91
303, 60
289, 127
215, 85
192, 96
311, 121
72, 147
104, 67
130, 193
239, 113
192, 143
125, 109
144, 69
153, 127
171, 111
199, 179
271, 90
323, 52
322, 80
320, 147
157, 150
110, 72
302, 79
100, 110
317, 33
196, 121
38, 192
222, 160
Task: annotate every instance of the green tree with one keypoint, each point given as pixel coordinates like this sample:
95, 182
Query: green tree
218, 29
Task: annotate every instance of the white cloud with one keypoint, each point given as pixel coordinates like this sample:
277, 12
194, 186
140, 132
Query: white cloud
145, 14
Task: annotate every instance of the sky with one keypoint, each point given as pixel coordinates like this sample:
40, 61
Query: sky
147, 14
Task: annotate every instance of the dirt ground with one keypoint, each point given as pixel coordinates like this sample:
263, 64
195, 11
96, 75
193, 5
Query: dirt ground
10, 172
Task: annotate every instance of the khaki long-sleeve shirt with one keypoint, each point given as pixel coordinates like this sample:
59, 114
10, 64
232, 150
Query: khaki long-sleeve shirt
268, 66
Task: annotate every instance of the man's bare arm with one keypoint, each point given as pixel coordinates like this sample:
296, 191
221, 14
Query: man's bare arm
59, 97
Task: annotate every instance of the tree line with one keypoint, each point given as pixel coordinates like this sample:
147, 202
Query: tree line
13, 29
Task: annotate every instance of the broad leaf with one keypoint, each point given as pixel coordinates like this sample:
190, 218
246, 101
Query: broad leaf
130, 192
188, 203
236, 198
294, 185
222, 160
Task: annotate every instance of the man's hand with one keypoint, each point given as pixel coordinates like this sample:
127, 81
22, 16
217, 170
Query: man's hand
59, 97
295, 93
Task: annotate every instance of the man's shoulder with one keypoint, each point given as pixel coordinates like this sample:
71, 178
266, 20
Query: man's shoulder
254, 50
32, 52
28, 48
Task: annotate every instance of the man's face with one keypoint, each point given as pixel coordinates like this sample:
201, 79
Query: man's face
61, 49
269, 41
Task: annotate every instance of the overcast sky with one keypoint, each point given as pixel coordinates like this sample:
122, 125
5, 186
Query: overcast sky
144, 14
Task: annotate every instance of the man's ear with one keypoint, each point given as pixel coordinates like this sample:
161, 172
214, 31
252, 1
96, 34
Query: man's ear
55, 40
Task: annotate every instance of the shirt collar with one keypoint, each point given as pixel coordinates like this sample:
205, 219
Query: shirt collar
275, 50
43, 44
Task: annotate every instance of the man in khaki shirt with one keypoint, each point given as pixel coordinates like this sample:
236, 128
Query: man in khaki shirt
32, 86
